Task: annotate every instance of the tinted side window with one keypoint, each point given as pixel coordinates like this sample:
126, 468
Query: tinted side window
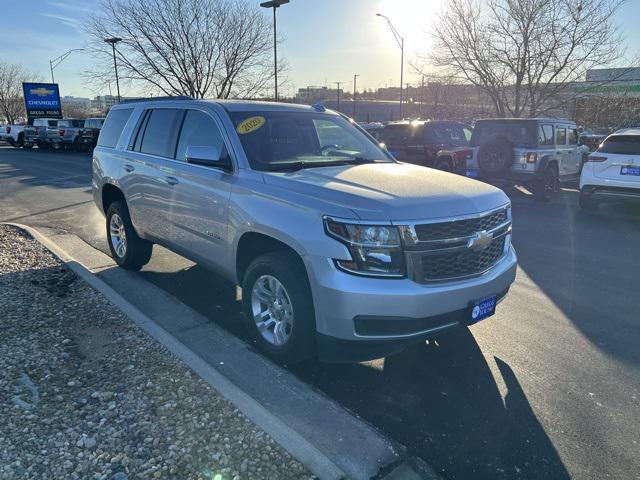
199, 130
545, 135
160, 132
561, 136
113, 126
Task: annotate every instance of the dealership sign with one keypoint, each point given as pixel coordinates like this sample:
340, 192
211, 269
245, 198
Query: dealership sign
42, 100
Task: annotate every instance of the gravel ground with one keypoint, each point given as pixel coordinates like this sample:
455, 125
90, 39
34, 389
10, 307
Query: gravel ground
86, 394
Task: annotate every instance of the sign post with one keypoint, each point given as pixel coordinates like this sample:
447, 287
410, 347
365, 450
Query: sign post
42, 100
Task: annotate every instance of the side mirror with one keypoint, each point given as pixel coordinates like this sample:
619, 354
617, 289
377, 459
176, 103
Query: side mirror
207, 156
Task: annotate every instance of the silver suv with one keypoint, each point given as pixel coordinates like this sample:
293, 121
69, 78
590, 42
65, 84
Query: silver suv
538, 153
341, 251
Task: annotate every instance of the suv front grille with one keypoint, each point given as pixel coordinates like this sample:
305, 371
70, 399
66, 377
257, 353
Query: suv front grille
457, 249
460, 228
460, 263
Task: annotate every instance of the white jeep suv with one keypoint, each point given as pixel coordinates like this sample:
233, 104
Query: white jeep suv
613, 170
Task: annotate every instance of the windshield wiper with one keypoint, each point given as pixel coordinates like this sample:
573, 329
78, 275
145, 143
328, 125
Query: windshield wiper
300, 164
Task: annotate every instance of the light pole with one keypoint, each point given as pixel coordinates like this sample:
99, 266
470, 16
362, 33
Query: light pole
400, 42
113, 42
355, 78
338, 84
58, 60
275, 4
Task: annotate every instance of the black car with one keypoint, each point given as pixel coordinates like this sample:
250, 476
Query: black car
437, 144
90, 133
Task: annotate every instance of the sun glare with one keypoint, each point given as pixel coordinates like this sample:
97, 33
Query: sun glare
413, 19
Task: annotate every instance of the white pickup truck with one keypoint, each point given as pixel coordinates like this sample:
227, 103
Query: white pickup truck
13, 135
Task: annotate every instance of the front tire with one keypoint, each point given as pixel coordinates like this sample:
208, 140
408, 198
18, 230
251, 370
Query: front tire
278, 306
127, 249
545, 188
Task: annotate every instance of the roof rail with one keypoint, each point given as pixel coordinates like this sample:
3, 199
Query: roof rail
155, 99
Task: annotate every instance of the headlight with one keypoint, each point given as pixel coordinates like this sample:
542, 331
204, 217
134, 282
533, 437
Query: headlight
375, 249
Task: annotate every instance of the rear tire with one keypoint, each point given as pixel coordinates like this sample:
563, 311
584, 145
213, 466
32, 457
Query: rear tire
587, 203
77, 146
281, 323
20, 142
127, 249
444, 165
546, 187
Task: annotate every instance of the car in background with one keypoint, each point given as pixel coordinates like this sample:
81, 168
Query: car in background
591, 140
612, 172
44, 133
429, 143
13, 135
372, 128
537, 153
90, 133
70, 132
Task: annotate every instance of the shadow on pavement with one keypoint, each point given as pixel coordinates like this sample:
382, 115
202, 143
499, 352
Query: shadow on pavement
587, 264
440, 399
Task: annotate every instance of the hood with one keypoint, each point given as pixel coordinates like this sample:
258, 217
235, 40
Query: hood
391, 191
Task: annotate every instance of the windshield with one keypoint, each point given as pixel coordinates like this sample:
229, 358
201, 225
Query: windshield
282, 140
520, 134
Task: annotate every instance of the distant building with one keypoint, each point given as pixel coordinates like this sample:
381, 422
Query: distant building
79, 102
317, 94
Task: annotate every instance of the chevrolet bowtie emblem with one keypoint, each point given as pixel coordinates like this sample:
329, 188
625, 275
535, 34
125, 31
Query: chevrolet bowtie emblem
480, 241
41, 92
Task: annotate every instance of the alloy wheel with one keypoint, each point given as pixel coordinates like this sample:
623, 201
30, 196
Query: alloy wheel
272, 310
118, 235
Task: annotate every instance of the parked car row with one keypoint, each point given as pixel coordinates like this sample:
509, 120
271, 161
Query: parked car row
51, 133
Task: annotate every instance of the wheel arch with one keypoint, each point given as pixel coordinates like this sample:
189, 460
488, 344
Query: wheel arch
110, 193
251, 245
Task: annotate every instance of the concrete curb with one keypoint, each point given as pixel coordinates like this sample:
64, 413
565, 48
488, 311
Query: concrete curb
328, 458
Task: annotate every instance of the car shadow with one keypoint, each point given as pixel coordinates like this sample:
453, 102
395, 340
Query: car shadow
441, 400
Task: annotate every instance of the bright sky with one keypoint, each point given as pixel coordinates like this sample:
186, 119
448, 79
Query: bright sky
324, 41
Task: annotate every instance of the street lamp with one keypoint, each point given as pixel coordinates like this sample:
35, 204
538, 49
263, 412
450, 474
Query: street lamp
113, 42
58, 60
275, 4
338, 92
400, 41
355, 78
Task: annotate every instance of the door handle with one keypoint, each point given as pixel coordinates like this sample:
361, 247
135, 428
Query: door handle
171, 180
129, 168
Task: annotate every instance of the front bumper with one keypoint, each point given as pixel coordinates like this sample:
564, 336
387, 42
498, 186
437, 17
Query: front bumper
385, 315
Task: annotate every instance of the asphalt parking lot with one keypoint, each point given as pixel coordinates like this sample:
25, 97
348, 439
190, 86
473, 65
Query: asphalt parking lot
547, 388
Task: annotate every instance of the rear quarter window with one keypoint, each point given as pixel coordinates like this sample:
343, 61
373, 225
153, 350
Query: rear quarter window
113, 126
621, 144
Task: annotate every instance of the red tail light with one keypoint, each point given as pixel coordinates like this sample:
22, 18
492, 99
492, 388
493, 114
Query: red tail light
463, 154
595, 158
532, 157
61, 132
8, 129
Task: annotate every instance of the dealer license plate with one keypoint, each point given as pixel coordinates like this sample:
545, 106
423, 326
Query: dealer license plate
630, 170
483, 308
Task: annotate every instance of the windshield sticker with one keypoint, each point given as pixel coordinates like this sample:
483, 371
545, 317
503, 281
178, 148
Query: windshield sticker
250, 125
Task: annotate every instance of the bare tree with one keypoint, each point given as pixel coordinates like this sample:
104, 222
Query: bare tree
526, 54
11, 102
200, 48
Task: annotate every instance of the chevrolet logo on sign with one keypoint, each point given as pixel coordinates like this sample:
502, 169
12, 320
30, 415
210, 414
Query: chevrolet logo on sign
480, 241
41, 92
